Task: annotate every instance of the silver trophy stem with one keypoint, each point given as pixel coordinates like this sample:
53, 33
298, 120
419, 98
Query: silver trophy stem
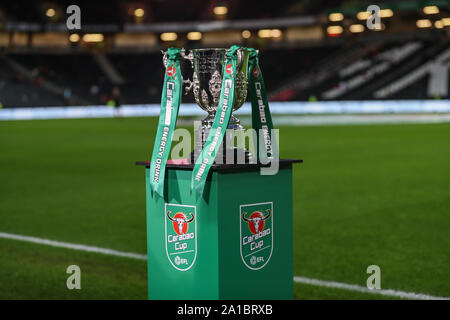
235, 123
227, 148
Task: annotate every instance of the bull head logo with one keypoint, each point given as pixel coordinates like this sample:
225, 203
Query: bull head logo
180, 222
256, 221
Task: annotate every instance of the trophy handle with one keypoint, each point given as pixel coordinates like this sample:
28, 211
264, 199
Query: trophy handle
240, 57
165, 59
189, 85
189, 56
240, 54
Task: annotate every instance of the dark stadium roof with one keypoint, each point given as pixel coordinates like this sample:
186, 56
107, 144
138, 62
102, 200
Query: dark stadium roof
117, 11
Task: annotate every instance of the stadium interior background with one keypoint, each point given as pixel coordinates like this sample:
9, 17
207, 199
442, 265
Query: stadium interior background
310, 50
366, 108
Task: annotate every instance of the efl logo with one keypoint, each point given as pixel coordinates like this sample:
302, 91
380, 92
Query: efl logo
229, 68
256, 234
256, 72
171, 71
181, 235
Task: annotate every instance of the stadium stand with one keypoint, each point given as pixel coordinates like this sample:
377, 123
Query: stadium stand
435, 68
303, 62
374, 71
380, 72
142, 74
17, 90
380, 63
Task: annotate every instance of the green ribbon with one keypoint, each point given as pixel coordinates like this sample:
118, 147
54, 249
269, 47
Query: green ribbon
170, 103
220, 124
261, 117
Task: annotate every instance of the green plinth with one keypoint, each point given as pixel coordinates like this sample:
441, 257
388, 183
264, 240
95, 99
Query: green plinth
235, 242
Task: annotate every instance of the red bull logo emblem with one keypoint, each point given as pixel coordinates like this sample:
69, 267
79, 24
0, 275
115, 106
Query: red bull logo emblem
256, 234
181, 235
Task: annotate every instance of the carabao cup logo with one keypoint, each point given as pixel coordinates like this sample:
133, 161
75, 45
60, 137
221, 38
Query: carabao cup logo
256, 221
229, 68
171, 71
256, 234
180, 222
256, 72
181, 235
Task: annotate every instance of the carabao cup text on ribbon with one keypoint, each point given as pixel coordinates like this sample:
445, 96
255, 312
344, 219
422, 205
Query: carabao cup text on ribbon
220, 124
261, 117
170, 103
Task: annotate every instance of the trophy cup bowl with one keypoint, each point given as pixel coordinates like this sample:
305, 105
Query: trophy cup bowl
206, 82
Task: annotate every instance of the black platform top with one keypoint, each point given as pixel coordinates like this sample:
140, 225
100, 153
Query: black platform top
221, 167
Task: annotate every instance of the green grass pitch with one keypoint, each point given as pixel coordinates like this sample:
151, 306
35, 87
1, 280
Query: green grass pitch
365, 195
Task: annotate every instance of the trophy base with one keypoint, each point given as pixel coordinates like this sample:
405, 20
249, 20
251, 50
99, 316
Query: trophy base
228, 153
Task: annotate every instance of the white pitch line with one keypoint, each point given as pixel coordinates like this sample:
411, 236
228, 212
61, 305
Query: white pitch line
355, 119
74, 246
309, 281
354, 287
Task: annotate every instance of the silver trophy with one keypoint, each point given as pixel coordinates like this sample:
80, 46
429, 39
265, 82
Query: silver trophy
206, 84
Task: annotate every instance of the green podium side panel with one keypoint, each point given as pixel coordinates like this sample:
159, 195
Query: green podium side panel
235, 242
168, 276
256, 256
